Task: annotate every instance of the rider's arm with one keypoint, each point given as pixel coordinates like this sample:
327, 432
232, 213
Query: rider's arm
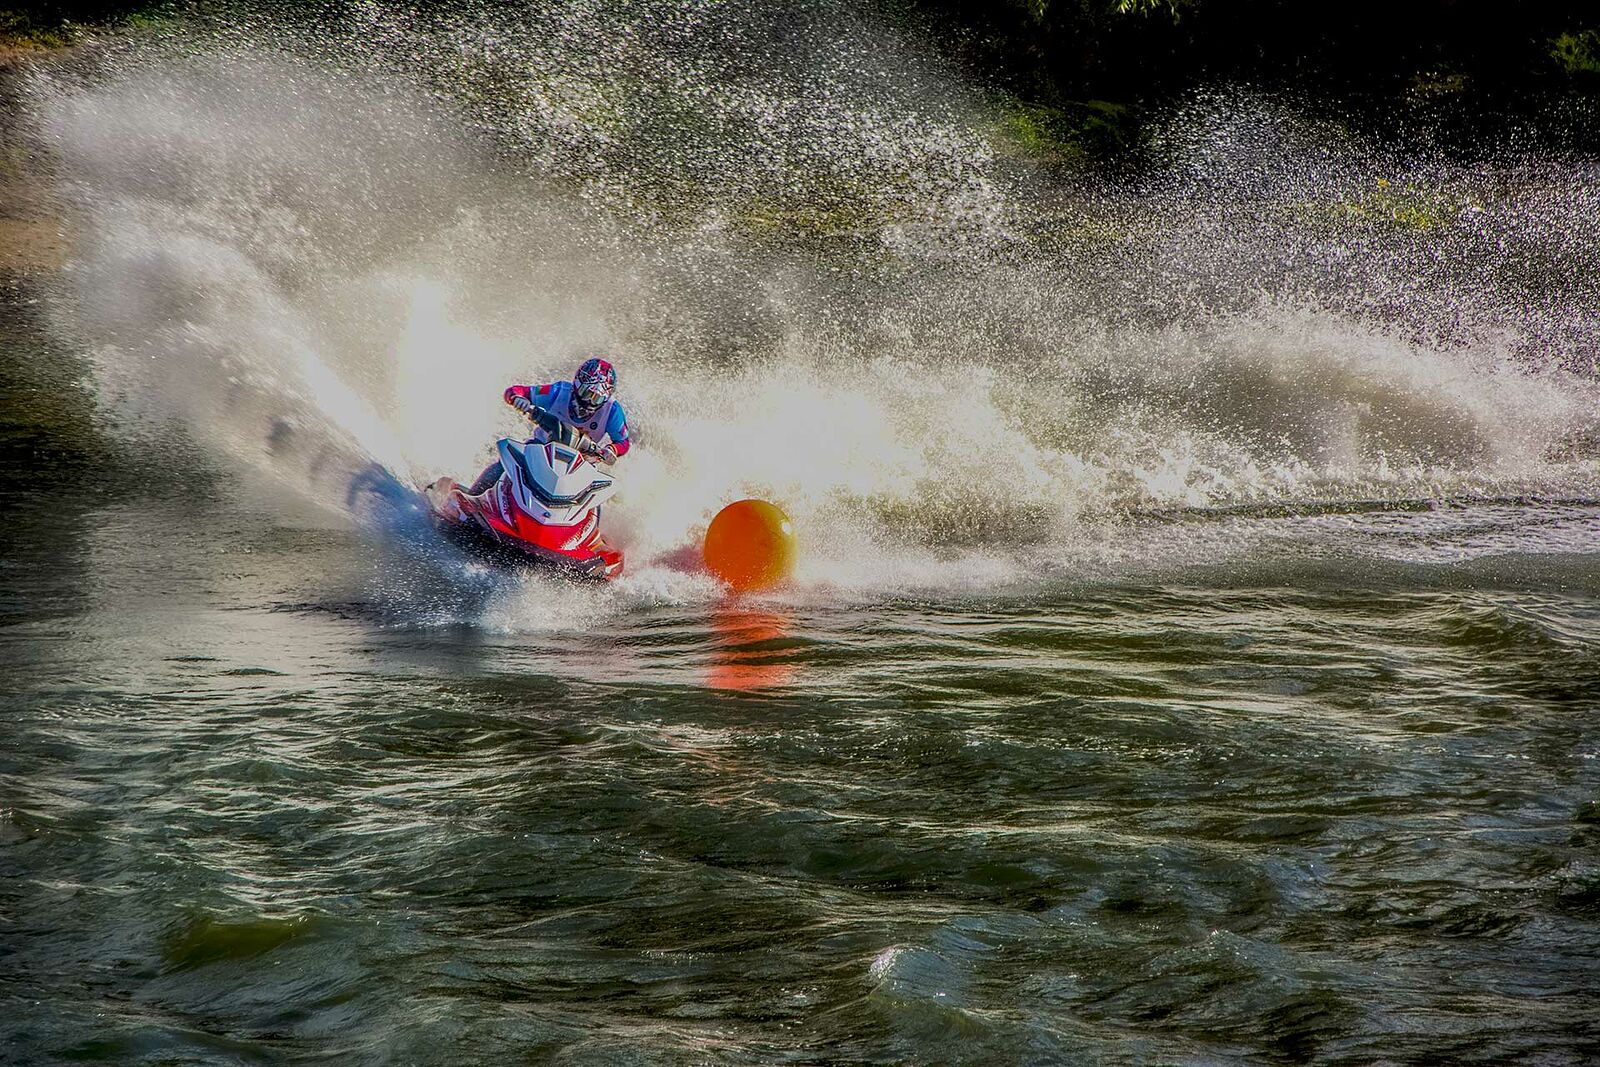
537, 395
617, 431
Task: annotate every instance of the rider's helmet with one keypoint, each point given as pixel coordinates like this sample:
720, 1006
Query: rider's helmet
592, 386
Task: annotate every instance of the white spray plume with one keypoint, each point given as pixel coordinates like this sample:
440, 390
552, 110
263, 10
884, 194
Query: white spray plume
937, 367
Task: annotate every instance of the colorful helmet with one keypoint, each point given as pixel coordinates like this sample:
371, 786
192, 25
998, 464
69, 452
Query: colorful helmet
592, 386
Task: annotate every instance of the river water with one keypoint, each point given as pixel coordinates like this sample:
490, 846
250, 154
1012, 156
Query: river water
1195, 655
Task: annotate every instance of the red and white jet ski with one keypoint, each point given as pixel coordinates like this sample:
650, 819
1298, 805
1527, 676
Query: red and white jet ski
544, 511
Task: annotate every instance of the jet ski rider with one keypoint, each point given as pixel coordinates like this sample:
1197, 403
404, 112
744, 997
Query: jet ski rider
585, 407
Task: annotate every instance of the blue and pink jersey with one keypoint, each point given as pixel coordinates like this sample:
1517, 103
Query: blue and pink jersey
606, 421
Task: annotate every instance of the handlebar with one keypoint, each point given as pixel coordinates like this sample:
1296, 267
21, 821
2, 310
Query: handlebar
555, 428
543, 419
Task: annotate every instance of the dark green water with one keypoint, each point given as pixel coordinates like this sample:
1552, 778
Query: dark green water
1338, 811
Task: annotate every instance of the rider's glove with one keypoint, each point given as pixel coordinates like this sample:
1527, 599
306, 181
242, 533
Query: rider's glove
608, 454
522, 404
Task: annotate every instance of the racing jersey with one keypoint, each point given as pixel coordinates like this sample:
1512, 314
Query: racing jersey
606, 421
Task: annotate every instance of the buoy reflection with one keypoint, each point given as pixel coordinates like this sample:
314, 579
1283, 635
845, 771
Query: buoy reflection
743, 657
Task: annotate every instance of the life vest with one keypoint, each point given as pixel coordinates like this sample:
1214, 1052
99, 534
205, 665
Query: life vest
558, 402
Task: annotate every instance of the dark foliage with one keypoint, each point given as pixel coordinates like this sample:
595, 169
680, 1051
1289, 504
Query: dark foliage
1077, 80
1144, 49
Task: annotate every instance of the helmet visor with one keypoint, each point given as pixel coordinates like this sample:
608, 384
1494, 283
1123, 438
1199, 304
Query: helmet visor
591, 394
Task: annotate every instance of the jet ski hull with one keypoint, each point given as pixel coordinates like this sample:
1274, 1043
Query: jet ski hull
487, 527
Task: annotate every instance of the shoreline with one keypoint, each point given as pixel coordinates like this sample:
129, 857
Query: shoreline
33, 232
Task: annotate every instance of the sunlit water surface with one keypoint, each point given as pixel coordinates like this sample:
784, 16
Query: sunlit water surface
1339, 809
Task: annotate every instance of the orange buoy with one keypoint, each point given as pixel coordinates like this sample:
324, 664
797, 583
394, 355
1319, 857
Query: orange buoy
750, 545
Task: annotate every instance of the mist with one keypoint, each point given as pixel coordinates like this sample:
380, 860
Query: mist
823, 274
